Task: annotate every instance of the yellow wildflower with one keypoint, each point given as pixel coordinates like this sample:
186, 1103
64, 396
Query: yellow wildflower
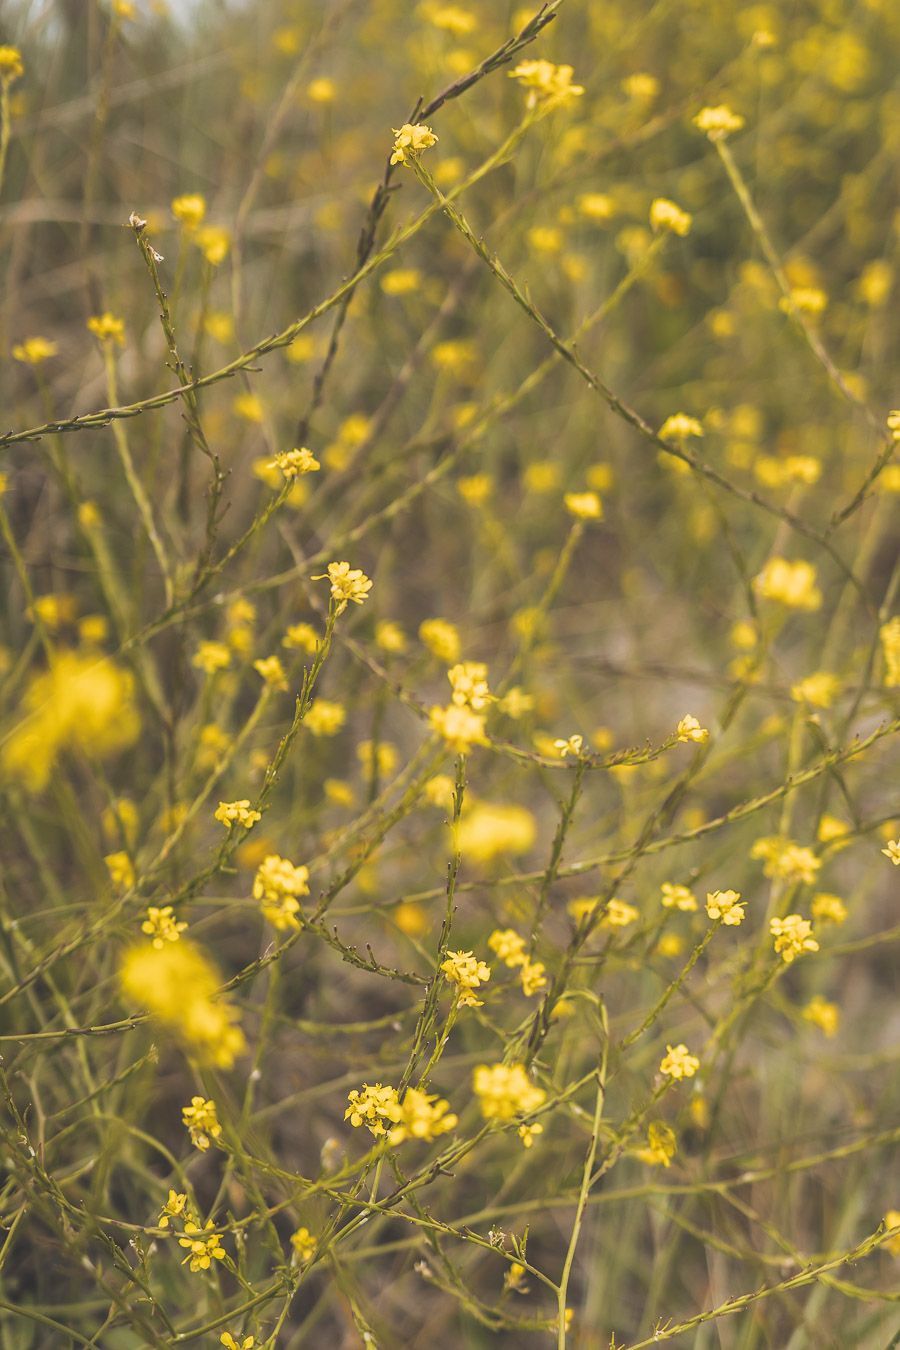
213, 241
179, 986
468, 973
468, 681
793, 936
202, 1121
304, 1244
410, 140
584, 505
11, 64
678, 1063
176, 1207
441, 638
121, 869
719, 122
107, 328
893, 851
508, 946
727, 906
619, 914
533, 977
828, 908
667, 215
790, 584
293, 463
661, 1145
189, 210
505, 1091
689, 729
547, 84
211, 657
422, 1116
823, 1014
325, 718
237, 813
203, 1246
678, 897
890, 645
162, 926
349, 585
372, 1106
678, 426
460, 727
272, 672
33, 350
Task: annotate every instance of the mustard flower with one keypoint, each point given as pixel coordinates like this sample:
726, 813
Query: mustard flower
571, 745
719, 122
348, 584
304, 1244
892, 1220
823, 1014
11, 64
107, 328
668, 216
678, 426
301, 637
162, 926
893, 424
790, 584
508, 946
189, 210
584, 505
727, 906
491, 830
213, 241
547, 84
120, 868
893, 851
505, 1091
689, 729
678, 1063
619, 914
293, 463
410, 140
372, 1106
390, 637
179, 986
203, 1246
202, 1122
211, 657
324, 718
176, 1207
670, 945
819, 690
231, 1343
678, 897
661, 1145
528, 1133
465, 971
237, 813
533, 977
33, 350
468, 680
272, 672
441, 638
828, 908
460, 727
278, 884
422, 1116
793, 936
786, 860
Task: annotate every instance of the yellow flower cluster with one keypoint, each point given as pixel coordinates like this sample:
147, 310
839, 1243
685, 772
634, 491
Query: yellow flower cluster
161, 926
203, 1245
678, 897
460, 727
547, 84
348, 584
793, 936
583, 505
505, 1091
107, 328
689, 729
211, 657
189, 210
678, 426
790, 584
468, 680
890, 645
11, 64
419, 1116
277, 886
293, 463
719, 122
667, 216
237, 813
678, 1062
33, 350
468, 973
272, 672
304, 1244
786, 860
727, 906
82, 702
441, 638
179, 986
410, 140
661, 1145
823, 1014
201, 1120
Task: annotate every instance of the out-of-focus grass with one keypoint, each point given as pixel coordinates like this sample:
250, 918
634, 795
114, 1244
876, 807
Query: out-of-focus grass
634, 460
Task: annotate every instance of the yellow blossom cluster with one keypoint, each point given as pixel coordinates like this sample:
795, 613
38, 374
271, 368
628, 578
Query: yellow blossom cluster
786, 860
180, 987
278, 886
793, 936
505, 1091
464, 970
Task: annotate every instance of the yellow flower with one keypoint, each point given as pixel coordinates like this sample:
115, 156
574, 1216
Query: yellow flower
527, 1133
379, 760
390, 637
325, 718
121, 869
348, 584
810, 300
818, 690
619, 914
468, 681
571, 745
301, 637
789, 584
174, 1208
533, 978
293, 463
892, 1220
162, 926
640, 86
661, 1145
468, 973
719, 122
401, 281
211, 657
237, 813
189, 210
547, 84
230, 1343
584, 505
667, 215
11, 64
828, 908
460, 727
678, 426
786, 860
321, 90
272, 672
822, 1014
249, 407
179, 986
678, 1063
727, 906
304, 1244
490, 830
277, 885
793, 936
202, 1121
410, 140
508, 946
33, 350
678, 897
890, 645
893, 851
441, 638
689, 729
422, 1116
203, 1247
107, 328
372, 1106
213, 241
505, 1091
596, 206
